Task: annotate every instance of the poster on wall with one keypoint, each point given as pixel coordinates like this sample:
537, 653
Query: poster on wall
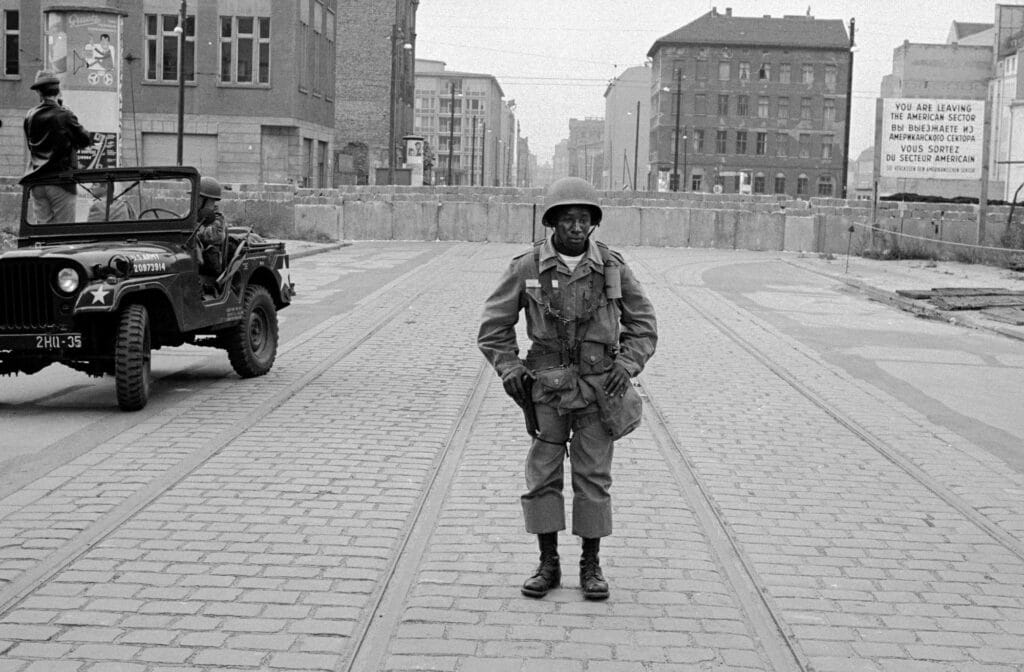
80, 49
932, 139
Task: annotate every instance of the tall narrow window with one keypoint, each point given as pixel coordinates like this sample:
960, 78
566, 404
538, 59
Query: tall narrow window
698, 140
805, 145
761, 148
700, 103
723, 105
830, 77
829, 111
721, 140
742, 105
785, 73
744, 71
782, 144
783, 108
723, 71
780, 183
805, 108
801, 185
762, 107
765, 72
162, 48
11, 39
741, 142
244, 50
807, 73
827, 142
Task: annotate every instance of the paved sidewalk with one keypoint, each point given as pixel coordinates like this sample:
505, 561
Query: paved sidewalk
882, 279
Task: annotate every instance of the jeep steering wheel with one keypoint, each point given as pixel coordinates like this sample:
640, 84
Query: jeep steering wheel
155, 211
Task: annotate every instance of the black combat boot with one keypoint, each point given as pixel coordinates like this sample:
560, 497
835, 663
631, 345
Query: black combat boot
592, 581
549, 572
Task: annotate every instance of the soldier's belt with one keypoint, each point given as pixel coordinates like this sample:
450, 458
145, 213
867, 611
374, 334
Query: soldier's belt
589, 357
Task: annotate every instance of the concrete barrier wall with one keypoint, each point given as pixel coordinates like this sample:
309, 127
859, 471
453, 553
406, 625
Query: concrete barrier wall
654, 219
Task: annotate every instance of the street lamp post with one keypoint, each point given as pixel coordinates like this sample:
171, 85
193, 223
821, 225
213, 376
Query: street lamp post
451, 135
180, 30
849, 96
675, 159
686, 147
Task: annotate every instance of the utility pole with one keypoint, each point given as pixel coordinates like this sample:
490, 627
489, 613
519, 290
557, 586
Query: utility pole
451, 136
849, 101
675, 158
181, 81
483, 156
472, 156
636, 143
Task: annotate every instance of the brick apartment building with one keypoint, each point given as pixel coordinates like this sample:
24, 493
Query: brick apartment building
763, 105
259, 82
376, 54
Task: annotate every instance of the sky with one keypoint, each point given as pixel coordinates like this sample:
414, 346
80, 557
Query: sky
556, 57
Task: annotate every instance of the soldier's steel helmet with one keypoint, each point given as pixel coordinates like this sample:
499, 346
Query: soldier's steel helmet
570, 191
210, 188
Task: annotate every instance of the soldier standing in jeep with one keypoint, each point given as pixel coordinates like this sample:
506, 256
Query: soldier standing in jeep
54, 136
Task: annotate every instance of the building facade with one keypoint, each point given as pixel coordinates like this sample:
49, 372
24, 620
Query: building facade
586, 149
627, 113
467, 125
762, 105
258, 83
376, 65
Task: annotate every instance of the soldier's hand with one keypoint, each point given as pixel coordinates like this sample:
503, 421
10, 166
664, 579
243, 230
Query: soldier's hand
514, 383
617, 381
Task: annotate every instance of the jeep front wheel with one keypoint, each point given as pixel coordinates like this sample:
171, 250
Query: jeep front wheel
132, 358
252, 344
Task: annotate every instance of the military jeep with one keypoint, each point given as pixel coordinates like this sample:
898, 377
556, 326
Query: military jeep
125, 277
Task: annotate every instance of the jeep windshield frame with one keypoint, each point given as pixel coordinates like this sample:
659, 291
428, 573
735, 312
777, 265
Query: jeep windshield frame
158, 203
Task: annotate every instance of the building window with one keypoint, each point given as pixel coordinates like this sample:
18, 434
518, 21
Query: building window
783, 108
11, 38
780, 183
801, 185
830, 77
744, 71
785, 70
829, 111
765, 72
826, 146
162, 48
698, 140
761, 148
782, 144
805, 145
721, 140
759, 183
696, 182
723, 71
762, 107
807, 73
805, 108
742, 105
702, 68
741, 142
245, 49
723, 105
825, 186
700, 103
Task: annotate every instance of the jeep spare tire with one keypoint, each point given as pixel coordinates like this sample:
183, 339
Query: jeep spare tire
132, 358
252, 344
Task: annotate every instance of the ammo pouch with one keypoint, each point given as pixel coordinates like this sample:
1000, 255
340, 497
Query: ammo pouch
619, 415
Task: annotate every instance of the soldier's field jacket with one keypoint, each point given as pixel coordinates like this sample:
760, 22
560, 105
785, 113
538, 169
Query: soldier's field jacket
597, 326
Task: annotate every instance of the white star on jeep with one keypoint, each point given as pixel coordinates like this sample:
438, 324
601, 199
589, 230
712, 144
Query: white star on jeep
99, 295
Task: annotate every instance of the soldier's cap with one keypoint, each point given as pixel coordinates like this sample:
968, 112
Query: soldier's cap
44, 78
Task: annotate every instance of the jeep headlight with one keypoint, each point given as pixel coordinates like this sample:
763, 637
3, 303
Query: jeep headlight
68, 280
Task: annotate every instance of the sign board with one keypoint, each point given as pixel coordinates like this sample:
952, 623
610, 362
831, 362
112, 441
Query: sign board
932, 138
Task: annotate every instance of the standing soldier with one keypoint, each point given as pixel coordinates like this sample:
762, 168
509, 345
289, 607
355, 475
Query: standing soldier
591, 329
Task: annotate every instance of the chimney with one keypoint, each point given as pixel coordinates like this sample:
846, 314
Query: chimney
728, 11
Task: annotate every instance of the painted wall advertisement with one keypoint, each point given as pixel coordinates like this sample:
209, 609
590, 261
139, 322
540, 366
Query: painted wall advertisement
932, 139
82, 50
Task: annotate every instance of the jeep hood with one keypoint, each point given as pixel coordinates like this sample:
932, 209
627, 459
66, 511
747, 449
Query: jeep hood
91, 254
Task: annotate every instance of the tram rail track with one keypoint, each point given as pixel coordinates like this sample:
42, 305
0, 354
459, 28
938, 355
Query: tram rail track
767, 619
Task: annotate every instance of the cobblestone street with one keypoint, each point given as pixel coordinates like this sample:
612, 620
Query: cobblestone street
357, 508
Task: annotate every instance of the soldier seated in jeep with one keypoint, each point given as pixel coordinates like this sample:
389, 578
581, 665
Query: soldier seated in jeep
211, 233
